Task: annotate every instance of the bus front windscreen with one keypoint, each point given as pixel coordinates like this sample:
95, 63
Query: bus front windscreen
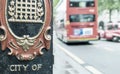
82, 3
82, 18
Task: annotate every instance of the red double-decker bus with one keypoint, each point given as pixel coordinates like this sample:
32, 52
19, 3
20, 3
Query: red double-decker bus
76, 20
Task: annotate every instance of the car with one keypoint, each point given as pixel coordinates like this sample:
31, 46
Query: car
111, 31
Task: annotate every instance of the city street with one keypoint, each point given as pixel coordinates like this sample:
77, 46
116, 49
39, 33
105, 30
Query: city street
96, 57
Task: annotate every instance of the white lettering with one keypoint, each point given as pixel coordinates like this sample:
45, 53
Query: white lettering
36, 67
12, 68
25, 67
18, 67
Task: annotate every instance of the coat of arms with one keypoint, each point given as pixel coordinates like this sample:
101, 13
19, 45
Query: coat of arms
25, 27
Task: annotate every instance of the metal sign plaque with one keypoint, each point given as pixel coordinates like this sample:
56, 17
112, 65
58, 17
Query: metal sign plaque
26, 37
25, 27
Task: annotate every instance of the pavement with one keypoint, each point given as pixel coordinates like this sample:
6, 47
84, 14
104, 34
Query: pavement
66, 63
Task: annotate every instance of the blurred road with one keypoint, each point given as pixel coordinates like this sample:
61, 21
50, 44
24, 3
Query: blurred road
98, 57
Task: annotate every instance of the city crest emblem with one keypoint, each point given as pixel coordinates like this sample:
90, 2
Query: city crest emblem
25, 27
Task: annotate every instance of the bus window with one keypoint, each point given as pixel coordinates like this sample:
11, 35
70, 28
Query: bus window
74, 18
82, 3
82, 18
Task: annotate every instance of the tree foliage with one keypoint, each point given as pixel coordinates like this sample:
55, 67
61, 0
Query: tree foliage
109, 5
55, 2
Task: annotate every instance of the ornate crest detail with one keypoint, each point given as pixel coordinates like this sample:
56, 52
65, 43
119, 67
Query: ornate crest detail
25, 11
25, 42
26, 27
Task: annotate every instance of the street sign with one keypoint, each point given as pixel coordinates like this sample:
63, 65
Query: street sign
26, 37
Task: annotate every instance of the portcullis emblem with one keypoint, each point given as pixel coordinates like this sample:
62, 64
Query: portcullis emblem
25, 27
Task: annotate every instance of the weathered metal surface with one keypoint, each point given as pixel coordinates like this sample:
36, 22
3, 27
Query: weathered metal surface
25, 24
26, 37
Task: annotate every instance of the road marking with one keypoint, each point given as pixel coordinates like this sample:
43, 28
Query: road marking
93, 70
80, 61
105, 47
